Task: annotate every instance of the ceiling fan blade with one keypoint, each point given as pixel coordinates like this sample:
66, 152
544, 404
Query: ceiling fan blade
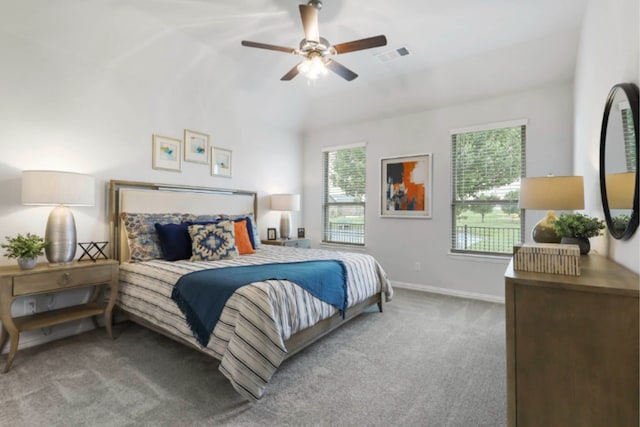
309, 15
340, 70
291, 74
268, 46
361, 44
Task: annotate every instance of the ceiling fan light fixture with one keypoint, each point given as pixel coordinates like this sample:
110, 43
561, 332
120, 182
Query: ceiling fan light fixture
316, 50
313, 67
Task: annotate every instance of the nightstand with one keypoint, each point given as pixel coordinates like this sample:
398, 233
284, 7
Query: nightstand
294, 243
44, 279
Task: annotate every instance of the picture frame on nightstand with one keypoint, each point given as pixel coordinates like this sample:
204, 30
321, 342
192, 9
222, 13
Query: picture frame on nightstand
271, 234
301, 233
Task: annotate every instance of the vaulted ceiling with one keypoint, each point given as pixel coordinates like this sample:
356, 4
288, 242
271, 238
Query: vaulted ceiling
459, 50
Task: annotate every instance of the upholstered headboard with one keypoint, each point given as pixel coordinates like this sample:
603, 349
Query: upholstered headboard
141, 197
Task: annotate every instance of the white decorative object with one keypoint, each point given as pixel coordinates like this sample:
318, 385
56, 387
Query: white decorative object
62, 189
285, 203
27, 263
547, 258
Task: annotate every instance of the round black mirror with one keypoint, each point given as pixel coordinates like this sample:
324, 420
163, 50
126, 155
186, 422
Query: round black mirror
619, 161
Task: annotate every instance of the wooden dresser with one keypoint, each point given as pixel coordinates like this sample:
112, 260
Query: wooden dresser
573, 346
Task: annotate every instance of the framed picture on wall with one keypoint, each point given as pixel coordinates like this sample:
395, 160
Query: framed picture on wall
406, 187
196, 147
300, 233
166, 153
220, 162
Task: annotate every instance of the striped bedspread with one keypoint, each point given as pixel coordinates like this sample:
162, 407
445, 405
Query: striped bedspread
257, 319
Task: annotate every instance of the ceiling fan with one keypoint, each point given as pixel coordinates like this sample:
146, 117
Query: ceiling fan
317, 50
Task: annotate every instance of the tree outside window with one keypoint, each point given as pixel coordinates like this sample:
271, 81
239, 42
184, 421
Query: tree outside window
344, 204
487, 166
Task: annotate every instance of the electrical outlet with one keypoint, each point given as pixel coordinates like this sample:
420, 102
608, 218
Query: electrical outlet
417, 266
29, 305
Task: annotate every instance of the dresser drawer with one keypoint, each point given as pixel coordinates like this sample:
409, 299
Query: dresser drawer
52, 281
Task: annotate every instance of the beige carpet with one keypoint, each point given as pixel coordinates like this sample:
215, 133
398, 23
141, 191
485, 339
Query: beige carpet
428, 360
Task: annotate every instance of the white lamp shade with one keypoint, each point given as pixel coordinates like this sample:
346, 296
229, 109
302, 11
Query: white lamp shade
620, 189
57, 188
552, 192
285, 202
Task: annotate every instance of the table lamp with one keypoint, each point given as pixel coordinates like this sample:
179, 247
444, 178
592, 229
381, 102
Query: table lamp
285, 203
549, 193
61, 189
620, 189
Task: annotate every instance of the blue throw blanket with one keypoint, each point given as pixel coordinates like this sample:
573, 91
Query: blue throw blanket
201, 295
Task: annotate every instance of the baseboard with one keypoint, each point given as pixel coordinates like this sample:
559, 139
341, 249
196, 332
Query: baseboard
449, 292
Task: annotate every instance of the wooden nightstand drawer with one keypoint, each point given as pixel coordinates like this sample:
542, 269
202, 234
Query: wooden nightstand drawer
48, 281
292, 243
304, 243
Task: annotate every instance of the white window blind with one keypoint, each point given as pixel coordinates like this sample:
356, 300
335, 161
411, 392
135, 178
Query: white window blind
629, 139
487, 164
344, 188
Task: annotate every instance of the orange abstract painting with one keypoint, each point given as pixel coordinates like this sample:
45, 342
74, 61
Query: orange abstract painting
405, 185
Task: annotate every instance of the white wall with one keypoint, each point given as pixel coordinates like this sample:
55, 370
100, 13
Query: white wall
609, 53
400, 243
84, 85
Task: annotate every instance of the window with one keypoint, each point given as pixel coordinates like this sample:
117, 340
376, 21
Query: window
629, 138
344, 187
487, 164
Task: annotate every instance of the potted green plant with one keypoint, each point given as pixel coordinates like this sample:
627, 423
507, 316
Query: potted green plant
26, 249
577, 229
620, 222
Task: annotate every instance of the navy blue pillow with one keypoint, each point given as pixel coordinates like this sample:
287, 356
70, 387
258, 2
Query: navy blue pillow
250, 230
175, 241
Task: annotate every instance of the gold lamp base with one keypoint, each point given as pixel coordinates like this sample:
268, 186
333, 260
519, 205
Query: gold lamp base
543, 231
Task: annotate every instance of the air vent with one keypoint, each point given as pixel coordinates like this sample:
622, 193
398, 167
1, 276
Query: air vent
392, 55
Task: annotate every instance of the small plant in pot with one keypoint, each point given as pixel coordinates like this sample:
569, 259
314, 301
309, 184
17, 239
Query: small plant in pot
26, 249
620, 222
577, 229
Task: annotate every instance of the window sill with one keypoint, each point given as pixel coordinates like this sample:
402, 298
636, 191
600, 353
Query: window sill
495, 259
345, 247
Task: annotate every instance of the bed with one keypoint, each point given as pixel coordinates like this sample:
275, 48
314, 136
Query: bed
262, 323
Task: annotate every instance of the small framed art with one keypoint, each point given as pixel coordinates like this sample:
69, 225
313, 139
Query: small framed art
196, 147
220, 162
406, 186
166, 153
271, 234
300, 233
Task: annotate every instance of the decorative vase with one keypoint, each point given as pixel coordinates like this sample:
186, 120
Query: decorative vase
27, 263
582, 243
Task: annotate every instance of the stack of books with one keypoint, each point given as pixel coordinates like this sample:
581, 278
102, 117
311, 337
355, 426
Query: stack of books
547, 258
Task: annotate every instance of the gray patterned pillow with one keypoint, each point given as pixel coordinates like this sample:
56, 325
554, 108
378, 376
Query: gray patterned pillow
199, 218
144, 244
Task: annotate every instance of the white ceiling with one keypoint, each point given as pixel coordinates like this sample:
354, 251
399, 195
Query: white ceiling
460, 50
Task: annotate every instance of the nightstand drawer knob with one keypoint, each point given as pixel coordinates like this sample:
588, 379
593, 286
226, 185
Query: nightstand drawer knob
65, 279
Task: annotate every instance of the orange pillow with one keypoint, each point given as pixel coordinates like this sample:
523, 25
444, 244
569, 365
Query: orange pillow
243, 243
